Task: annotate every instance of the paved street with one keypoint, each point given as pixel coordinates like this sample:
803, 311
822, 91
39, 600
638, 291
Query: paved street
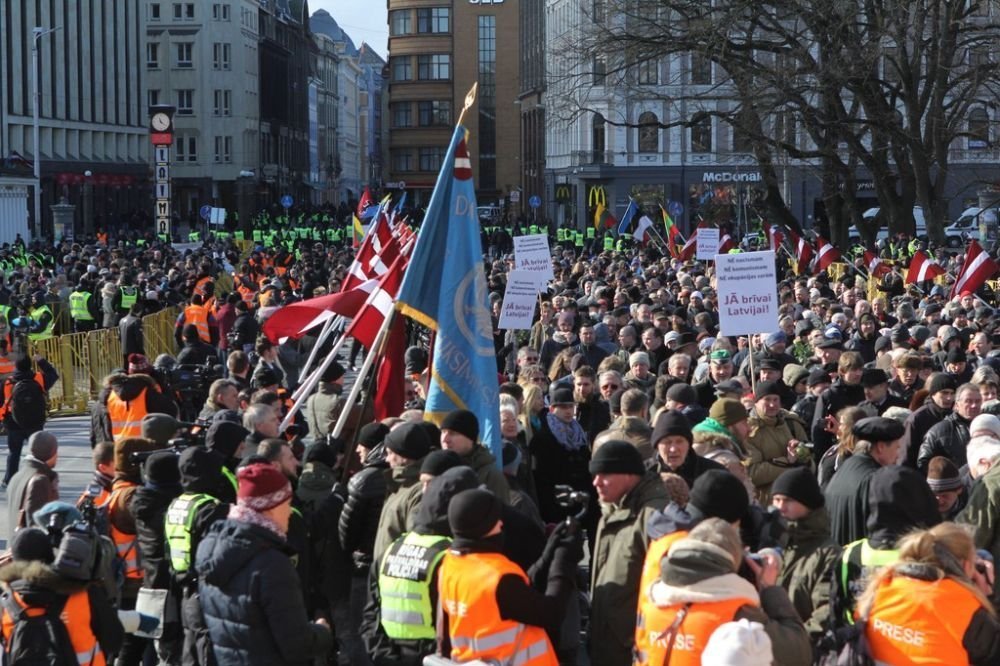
74, 462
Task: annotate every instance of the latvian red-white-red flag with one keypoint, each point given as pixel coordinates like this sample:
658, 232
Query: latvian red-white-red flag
978, 268
774, 236
804, 252
687, 252
876, 268
826, 253
292, 321
367, 263
922, 268
726, 244
369, 320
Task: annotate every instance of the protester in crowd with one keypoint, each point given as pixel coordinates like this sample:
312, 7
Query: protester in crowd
35, 484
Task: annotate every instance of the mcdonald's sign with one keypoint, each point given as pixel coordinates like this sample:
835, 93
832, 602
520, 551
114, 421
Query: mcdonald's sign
597, 196
563, 194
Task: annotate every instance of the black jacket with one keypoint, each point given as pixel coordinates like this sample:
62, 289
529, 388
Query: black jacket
918, 424
947, 438
358, 524
692, 467
831, 401
244, 331
196, 353
252, 599
594, 415
149, 506
847, 498
554, 465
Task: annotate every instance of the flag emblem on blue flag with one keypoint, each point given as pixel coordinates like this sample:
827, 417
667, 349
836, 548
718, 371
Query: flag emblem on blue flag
445, 289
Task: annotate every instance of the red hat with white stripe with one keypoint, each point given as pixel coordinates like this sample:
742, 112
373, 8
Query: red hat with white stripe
262, 487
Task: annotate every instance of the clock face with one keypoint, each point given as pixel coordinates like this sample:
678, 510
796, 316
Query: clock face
161, 122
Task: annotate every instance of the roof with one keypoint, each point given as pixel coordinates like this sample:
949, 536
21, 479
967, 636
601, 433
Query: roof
323, 23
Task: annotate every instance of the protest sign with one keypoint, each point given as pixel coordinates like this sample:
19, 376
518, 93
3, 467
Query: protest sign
531, 253
519, 299
708, 243
748, 293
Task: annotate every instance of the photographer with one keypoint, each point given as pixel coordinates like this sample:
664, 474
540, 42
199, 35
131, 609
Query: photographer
195, 351
127, 398
23, 408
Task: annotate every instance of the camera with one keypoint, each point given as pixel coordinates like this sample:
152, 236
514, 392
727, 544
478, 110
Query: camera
576, 503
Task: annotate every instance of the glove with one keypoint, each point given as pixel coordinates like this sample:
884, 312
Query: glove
148, 623
571, 541
539, 570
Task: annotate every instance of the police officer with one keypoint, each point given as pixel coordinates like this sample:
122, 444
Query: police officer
126, 295
83, 308
43, 322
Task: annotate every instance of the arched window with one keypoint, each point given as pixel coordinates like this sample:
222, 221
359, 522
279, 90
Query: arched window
597, 138
649, 132
979, 129
701, 133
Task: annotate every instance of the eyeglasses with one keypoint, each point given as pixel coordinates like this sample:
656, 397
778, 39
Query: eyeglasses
611, 387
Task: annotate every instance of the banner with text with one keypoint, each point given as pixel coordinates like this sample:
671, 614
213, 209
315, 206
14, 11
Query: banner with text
518, 311
532, 254
708, 244
748, 293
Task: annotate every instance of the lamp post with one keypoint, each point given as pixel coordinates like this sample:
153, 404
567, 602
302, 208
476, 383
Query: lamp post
36, 33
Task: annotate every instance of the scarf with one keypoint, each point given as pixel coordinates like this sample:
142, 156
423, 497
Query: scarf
245, 514
569, 435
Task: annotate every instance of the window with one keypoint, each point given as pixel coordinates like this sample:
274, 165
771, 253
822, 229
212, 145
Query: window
598, 11
220, 12
435, 113
701, 133
435, 67
152, 97
183, 11
597, 138
402, 69
979, 129
431, 158
402, 114
701, 70
154, 11
649, 132
152, 55
402, 160
185, 102
185, 51
222, 104
221, 56
186, 149
648, 72
784, 128
399, 22
434, 20
599, 67
487, 50
223, 149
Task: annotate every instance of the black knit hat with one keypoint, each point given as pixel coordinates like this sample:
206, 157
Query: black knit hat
473, 513
800, 484
818, 376
671, 422
463, 422
940, 381
408, 440
617, 457
438, 462
768, 388
718, 494
372, 434
956, 355
682, 393
225, 438
873, 377
333, 372
161, 469
31, 544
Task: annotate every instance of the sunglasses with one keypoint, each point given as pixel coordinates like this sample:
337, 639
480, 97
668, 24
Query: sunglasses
613, 387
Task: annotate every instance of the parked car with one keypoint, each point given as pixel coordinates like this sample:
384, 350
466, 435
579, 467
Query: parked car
854, 236
968, 226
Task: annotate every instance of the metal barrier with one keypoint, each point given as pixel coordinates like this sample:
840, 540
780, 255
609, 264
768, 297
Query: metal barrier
83, 360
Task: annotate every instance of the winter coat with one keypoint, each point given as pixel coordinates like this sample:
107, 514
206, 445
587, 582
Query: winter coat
768, 449
594, 415
359, 520
128, 388
554, 465
401, 501
692, 467
805, 407
615, 566
847, 498
484, 465
252, 599
918, 424
33, 486
319, 408
809, 554
245, 330
149, 507
197, 353
831, 401
947, 438
983, 513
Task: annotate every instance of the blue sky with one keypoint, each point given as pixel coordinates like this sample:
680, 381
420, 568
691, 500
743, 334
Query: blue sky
363, 20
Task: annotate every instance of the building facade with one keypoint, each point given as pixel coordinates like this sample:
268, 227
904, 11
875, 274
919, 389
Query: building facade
327, 74
92, 111
437, 51
202, 58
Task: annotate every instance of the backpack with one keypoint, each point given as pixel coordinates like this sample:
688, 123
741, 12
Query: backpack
27, 405
38, 640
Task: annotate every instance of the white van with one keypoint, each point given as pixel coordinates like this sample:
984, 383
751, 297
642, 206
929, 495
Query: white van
967, 225
854, 236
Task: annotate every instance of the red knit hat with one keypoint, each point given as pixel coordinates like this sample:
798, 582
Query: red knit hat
137, 363
262, 487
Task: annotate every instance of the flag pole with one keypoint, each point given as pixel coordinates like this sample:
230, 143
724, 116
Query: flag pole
373, 353
330, 324
470, 99
306, 388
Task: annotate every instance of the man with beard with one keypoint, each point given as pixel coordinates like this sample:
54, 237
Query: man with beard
940, 401
846, 390
592, 412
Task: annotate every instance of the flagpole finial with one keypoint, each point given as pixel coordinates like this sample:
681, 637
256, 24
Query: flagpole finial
470, 99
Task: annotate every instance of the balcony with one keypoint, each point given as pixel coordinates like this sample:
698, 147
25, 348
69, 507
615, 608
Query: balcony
591, 157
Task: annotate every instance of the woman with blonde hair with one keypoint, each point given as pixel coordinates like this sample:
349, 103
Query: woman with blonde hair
931, 606
835, 455
532, 411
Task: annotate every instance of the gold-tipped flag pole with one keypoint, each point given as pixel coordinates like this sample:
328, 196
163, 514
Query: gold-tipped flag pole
470, 99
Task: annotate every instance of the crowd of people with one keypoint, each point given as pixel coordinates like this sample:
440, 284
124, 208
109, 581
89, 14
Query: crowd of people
665, 493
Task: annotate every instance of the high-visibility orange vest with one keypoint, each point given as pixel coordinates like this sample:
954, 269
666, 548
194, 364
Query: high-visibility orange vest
201, 286
920, 622
76, 617
126, 417
126, 544
650, 574
692, 636
6, 365
467, 586
100, 499
8, 391
198, 315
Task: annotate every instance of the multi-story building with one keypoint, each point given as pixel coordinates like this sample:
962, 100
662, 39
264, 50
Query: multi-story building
373, 86
326, 72
92, 112
531, 102
437, 51
202, 58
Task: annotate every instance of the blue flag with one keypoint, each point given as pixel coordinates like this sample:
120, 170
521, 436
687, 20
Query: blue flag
627, 217
445, 289
401, 203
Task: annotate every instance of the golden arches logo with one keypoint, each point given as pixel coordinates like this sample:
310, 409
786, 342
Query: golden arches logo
597, 197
